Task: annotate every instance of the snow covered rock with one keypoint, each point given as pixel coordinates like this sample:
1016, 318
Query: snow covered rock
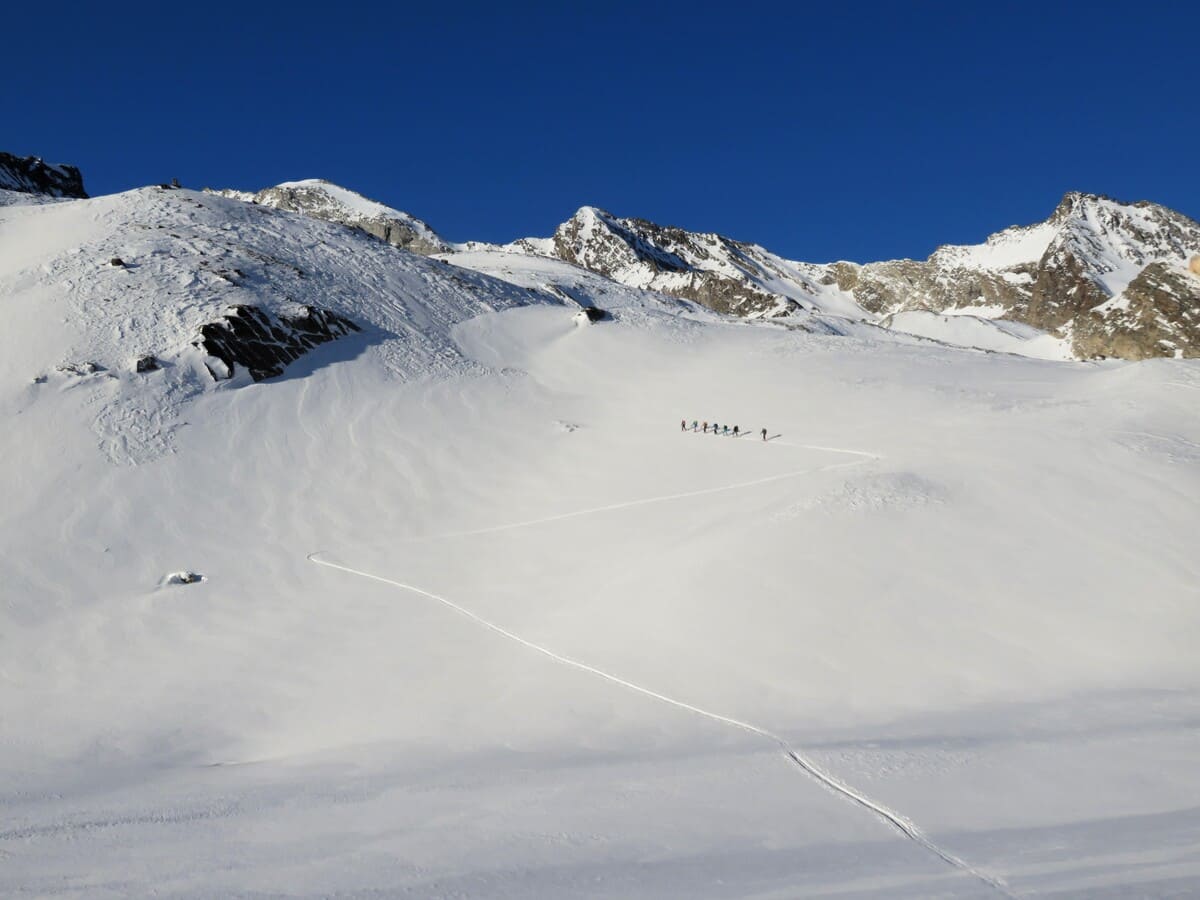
184, 578
1063, 276
590, 314
724, 275
30, 175
323, 200
1051, 275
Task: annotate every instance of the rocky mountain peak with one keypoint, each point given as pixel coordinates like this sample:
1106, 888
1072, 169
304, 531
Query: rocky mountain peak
1067, 275
30, 175
598, 240
1077, 204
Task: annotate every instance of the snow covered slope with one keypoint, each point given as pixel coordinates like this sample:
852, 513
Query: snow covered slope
454, 608
997, 335
140, 298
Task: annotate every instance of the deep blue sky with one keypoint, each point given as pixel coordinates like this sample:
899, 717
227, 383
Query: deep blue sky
834, 130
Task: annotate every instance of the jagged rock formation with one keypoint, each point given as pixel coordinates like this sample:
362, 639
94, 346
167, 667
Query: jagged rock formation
264, 343
1158, 314
1111, 277
323, 200
722, 274
30, 175
1093, 272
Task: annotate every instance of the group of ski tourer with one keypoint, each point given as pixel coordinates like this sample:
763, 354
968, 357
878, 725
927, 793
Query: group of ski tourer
704, 428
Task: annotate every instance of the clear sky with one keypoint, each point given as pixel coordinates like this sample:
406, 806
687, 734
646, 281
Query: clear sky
844, 130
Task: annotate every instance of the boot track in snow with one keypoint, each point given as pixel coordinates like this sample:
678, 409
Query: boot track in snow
906, 827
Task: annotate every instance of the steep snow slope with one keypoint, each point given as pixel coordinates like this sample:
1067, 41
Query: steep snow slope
92, 286
965, 330
961, 585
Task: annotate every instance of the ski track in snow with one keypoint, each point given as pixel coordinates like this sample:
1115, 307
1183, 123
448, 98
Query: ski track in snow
894, 819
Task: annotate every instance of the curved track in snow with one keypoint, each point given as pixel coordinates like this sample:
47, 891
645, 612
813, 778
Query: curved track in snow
894, 819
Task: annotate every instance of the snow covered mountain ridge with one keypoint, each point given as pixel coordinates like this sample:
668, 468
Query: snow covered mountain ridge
1111, 278
1103, 277
1099, 277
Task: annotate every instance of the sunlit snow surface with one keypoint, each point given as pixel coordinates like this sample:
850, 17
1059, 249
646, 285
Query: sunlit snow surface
987, 625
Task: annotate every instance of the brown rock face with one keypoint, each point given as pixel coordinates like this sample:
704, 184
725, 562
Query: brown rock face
1157, 315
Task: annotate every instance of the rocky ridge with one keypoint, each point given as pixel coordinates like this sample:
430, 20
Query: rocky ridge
1110, 277
1075, 275
30, 175
323, 200
1106, 277
725, 275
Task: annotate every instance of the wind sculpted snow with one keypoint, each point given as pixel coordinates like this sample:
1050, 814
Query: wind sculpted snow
987, 631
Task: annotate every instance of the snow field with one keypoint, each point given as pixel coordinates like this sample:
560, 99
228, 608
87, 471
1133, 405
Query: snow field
989, 628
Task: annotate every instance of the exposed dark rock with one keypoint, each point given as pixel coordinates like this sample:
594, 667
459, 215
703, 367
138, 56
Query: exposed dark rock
116, 262
146, 364
29, 175
265, 343
592, 314
184, 578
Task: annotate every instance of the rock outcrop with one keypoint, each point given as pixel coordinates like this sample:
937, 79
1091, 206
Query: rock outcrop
722, 274
1158, 314
323, 200
263, 343
30, 175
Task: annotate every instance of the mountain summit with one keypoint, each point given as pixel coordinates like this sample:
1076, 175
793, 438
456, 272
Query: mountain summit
324, 200
29, 175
